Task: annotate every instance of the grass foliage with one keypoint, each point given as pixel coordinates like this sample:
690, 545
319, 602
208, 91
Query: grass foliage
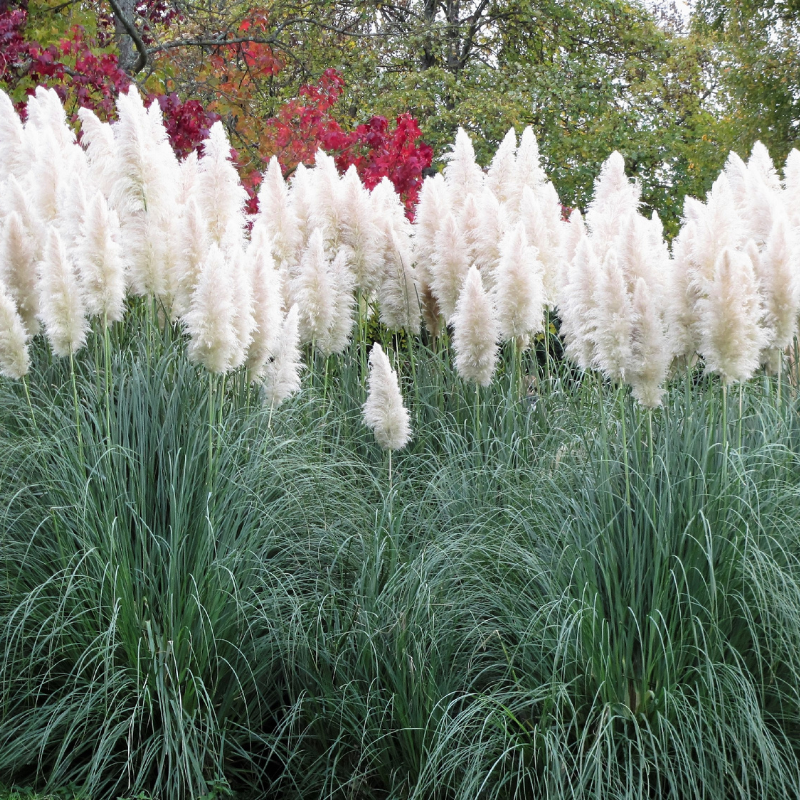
558, 595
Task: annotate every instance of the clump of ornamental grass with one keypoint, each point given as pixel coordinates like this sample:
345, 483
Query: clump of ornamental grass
132, 655
646, 609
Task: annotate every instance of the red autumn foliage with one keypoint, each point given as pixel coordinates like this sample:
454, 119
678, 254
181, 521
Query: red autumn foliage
84, 78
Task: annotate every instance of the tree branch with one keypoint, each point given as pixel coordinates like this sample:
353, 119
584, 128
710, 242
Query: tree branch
130, 29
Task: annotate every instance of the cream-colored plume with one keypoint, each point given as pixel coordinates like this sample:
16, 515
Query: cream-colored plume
650, 353
615, 199
244, 319
14, 359
475, 331
267, 297
732, 337
192, 249
614, 321
518, 291
359, 234
211, 320
578, 305
343, 305
18, 265
101, 150
14, 150
529, 170
450, 265
493, 226
99, 261
776, 271
61, 307
384, 413
314, 290
399, 293
462, 174
275, 215
219, 190
282, 371
540, 212
433, 207
502, 174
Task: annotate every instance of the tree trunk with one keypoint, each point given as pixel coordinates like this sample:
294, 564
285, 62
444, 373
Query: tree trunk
125, 46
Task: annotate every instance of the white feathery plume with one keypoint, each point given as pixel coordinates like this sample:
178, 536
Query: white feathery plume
192, 249
760, 165
578, 306
732, 337
614, 321
432, 208
738, 178
61, 306
572, 232
219, 192
71, 212
529, 170
18, 266
650, 354
641, 254
47, 176
502, 173
718, 226
282, 371
14, 359
267, 297
275, 214
144, 193
541, 214
314, 290
145, 167
518, 290
386, 202
359, 232
615, 198
450, 265
301, 202
791, 192
384, 413
211, 320
398, 297
776, 270
101, 150
492, 227
475, 331
343, 305
462, 174
469, 223
327, 197
189, 172
683, 294
99, 261
244, 321
14, 149
45, 113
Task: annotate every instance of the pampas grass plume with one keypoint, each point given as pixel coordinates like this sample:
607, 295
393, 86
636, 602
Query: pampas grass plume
450, 265
99, 261
282, 371
518, 291
14, 360
614, 320
267, 296
650, 355
18, 270
475, 331
730, 319
61, 307
211, 320
384, 412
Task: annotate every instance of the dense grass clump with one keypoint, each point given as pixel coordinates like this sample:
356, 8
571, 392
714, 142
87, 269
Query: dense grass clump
557, 593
